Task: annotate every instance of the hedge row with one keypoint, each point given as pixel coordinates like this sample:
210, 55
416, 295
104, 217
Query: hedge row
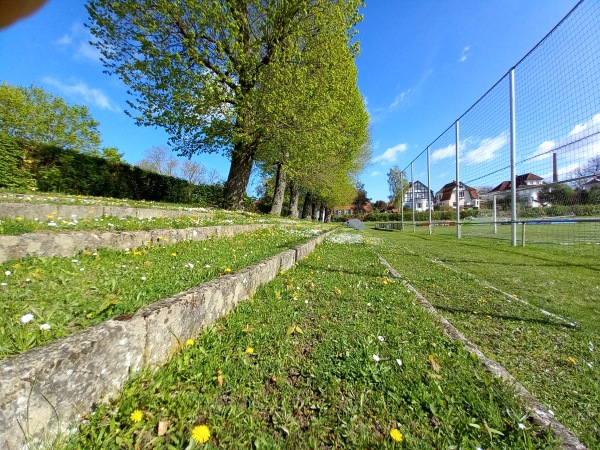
523, 212
26, 166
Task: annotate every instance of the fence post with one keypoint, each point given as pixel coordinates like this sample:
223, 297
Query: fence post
456, 145
402, 201
429, 190
412, 197
494, 214
513, 159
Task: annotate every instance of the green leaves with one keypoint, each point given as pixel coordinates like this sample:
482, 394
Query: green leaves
34, 115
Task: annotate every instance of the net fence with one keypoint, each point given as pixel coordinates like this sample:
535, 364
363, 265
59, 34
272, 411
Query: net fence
523, 162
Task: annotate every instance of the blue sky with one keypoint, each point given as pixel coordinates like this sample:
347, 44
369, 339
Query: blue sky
422, 64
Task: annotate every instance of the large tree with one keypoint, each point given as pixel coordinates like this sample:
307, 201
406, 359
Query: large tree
398, 185
194, 66
321, 135
34, 115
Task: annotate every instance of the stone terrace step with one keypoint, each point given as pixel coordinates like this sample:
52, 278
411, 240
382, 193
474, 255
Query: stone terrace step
67, 244
41, 211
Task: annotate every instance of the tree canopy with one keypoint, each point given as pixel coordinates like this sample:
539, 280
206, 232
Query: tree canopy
199, 68
33, 114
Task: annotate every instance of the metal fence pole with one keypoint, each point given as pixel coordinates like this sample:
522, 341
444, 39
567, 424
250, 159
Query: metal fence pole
494, 214
412, 197
513, 159
456, 145
429, 191
402, 201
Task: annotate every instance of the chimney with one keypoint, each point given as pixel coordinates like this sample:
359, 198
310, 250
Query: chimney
554, 169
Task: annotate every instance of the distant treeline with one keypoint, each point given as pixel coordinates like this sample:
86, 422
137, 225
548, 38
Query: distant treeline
26, 166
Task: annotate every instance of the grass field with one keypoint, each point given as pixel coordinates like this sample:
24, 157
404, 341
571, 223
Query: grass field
477, 283
47, 298
585, 232
332, 354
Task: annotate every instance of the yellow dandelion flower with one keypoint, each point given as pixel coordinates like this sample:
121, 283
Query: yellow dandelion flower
91, 211
277, 294
396, 435
19, 218
571, 361
136, 416
227, 270
89, 315
190, 342
173, 254
201, 434
250, 350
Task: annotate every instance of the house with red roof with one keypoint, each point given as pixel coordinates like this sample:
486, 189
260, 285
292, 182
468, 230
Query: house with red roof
446, 197
528, 187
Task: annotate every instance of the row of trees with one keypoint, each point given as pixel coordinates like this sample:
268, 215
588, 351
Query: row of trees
266, 83
35, 116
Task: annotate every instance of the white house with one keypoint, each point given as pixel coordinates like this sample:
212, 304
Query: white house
467, 196
528, 187
421, 195
594, 182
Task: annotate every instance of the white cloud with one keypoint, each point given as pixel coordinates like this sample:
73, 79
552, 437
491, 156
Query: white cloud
399, 99
88, 52
443, 153
90, 96
78, 40
562, 172
389, 156
464, 54
486, 150
375, 173
582, 141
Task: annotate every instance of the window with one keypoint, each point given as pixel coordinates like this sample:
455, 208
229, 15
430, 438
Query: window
461, 194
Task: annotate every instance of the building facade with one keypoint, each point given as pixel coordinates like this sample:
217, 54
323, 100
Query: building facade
446, 197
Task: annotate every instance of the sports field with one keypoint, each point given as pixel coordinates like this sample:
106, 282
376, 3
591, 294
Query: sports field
517, 304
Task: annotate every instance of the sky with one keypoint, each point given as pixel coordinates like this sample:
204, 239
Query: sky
423, 63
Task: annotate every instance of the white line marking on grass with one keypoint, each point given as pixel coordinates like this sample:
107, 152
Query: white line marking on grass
506, 294
539, 413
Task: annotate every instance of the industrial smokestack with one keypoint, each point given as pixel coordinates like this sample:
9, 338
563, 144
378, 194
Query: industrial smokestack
554, 169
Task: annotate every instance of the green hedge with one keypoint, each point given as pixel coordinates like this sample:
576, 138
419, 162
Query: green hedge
52, 169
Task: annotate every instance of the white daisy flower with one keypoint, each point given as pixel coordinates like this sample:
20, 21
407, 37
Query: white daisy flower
376, 358
45, 326
26, 318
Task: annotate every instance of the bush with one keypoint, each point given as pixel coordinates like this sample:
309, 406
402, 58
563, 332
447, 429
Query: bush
53, 169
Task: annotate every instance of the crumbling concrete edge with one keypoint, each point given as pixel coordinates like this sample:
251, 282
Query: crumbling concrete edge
31, 211
540, 415
46, 390
69, 243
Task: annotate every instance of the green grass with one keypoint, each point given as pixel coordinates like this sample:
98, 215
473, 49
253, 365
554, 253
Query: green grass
18, 225
67, 199
312, 381
70, 294
558, 364
562, 234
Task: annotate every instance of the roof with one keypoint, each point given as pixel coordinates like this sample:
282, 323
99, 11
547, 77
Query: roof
448, 188
521, 181
594, 180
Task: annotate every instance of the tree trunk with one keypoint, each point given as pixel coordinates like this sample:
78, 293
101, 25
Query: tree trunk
307, 209
294, 197
315, 210
279, 191
242, 159
327, 215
